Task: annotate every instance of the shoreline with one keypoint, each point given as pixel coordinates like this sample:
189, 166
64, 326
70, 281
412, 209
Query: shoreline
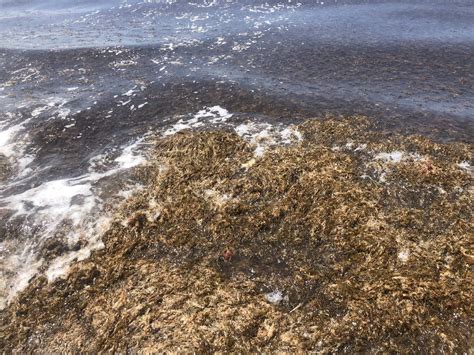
236, 175
350, 239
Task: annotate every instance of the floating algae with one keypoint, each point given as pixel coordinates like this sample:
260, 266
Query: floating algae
5, 168
370, 254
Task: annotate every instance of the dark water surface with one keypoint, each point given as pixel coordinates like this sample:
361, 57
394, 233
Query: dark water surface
85, 84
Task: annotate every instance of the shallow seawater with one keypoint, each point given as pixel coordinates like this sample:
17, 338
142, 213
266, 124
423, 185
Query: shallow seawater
86, 87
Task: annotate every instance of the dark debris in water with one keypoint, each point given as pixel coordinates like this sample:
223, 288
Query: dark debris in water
5, 168
319, 246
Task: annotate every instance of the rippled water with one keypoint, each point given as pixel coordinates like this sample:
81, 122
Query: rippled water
85, 87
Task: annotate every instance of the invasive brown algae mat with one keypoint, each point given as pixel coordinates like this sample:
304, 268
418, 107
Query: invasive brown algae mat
349, 240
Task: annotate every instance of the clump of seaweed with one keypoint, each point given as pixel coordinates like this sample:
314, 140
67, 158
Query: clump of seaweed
350, 240
5, 168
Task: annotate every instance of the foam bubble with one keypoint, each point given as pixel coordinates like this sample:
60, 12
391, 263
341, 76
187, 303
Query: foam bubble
403, 255
7, 140
392, 157
129, 157
215, 114
24, 266
60, 266
208, 115
71, 206
52, 201
275, 297
397, 156
265, 135
465, 165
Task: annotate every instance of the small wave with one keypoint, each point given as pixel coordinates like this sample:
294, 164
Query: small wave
70, 210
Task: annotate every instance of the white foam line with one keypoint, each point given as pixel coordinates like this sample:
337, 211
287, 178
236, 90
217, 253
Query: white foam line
264, 135
7, 146
208, 115
25, 265
46, 207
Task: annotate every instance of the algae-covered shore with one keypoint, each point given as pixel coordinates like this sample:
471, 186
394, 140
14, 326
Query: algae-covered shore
351, 240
